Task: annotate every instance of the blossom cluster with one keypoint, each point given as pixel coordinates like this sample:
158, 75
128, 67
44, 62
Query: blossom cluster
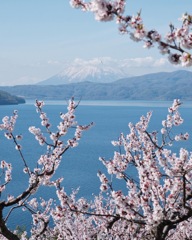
7, 171
8, 124
102, 9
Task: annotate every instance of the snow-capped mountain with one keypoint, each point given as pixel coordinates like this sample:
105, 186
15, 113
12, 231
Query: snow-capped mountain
96, 70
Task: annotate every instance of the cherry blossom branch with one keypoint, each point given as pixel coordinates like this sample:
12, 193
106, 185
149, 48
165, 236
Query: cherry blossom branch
47, 164
18, 147
115, 217
153, 142
4, 230
21, 203
178, 39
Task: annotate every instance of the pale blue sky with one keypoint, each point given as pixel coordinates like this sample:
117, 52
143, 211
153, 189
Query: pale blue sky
39, 36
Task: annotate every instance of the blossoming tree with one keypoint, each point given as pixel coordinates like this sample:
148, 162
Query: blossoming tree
42, 174
156, 203
176, 44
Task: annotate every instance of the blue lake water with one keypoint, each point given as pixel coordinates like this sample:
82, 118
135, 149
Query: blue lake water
80, 165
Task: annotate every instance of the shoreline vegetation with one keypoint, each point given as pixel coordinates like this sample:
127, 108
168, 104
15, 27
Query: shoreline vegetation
8, 99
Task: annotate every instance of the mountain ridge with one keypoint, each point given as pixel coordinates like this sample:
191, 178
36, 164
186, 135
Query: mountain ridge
156, 86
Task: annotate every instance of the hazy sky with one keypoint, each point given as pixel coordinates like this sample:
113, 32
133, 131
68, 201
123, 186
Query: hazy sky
38, 37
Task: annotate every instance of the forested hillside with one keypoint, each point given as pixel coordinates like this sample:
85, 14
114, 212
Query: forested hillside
157, 86
8, 99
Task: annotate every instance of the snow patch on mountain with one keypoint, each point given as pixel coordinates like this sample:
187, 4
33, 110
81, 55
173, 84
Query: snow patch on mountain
95, 70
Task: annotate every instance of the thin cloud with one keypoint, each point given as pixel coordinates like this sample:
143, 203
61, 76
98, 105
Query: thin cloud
130, 66
54, 62
27, 80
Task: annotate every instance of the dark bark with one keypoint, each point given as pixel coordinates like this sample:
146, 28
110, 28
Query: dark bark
3, 228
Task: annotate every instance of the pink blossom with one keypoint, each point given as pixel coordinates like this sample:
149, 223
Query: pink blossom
186, 59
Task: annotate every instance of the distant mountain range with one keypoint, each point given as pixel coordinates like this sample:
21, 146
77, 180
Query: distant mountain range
95, 70
157, 86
